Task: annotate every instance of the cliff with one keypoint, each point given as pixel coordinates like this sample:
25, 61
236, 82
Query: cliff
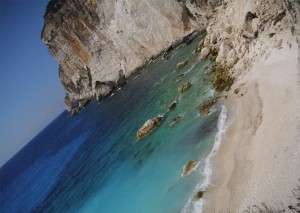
99, 43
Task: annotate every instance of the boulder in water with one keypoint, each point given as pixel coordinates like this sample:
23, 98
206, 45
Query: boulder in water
189, 167
172, 106
199, 195
184, 88
204, 108
205, 52
149, 126
181, 64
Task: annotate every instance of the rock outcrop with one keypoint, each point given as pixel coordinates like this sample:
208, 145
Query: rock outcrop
189, 167
238, 26
181, 64
205, 108
149, 126
99, 43
184, 87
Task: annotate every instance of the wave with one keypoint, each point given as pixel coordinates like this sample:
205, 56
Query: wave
193, 206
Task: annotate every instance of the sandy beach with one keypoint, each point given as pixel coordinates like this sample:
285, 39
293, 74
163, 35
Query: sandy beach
257, 166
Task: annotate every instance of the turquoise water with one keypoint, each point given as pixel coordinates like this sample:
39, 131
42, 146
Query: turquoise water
94, 163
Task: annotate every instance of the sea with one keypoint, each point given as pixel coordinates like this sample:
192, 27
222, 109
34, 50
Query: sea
93, 162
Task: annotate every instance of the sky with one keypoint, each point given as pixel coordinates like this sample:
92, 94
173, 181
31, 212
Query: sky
31, 95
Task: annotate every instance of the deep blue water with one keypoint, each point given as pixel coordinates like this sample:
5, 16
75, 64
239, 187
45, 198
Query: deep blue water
94, 163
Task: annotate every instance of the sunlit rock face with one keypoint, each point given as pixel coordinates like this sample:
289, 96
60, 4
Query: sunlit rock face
98, 43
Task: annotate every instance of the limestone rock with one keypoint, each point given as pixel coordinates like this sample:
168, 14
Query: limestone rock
225, 48
181, 64
205, 52
231, 58
122, 79
189, 167
148, 127
184, 87
94, 39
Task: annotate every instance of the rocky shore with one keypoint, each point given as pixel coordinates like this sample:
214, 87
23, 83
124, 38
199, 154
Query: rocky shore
98, 44
255, 45
257, 166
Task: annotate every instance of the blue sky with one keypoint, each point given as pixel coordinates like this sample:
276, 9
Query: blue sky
31, 95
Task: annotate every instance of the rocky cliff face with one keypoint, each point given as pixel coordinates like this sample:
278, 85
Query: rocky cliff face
98, 43
239, 26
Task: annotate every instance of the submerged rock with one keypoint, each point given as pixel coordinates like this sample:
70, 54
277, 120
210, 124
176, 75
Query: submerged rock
204, 108
172, 106
181, 64
199, 46
148, 127
199, 195
184, 87
189, 167
223, 80
175, 120
179, 78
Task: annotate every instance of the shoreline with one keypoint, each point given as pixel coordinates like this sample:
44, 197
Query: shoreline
197, 206
259, 157
256, 168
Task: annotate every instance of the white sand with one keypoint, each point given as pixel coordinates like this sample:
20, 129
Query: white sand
259, 158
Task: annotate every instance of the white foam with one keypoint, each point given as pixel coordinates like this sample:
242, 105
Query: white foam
210, 93
193, 206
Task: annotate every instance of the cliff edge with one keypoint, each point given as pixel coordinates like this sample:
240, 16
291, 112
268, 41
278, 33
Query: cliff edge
99, 43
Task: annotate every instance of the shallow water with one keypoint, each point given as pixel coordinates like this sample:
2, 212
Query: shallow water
94, 163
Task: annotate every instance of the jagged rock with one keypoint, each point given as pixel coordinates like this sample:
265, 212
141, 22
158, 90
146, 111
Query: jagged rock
149, 126
189, 167
184, 87
172, 106
181, 64
122, 79
279, 17
255, 24
205, 52
225, 48
186, 39
102, 89
249, 16
231, 58
250, 26
214, 37
214, 3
